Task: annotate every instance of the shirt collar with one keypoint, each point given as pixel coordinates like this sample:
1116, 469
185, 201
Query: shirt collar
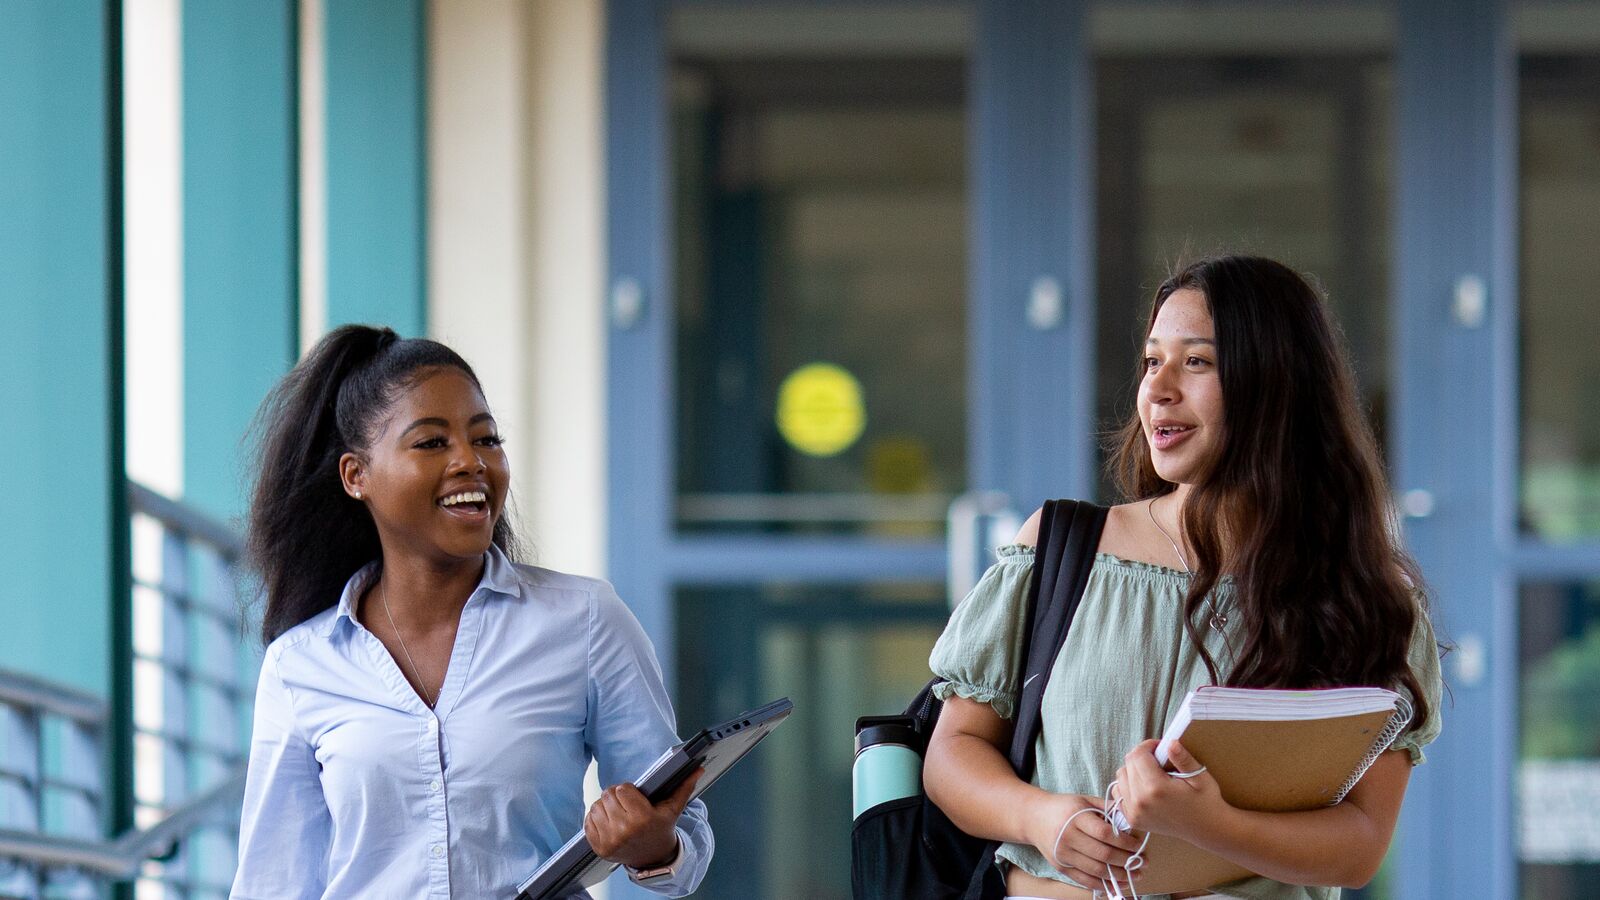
499, 575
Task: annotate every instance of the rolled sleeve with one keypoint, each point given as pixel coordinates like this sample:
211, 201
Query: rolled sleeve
631, 723
285, 826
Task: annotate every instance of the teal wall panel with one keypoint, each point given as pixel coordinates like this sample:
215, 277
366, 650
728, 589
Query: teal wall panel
61, 459
376, 163
240, 232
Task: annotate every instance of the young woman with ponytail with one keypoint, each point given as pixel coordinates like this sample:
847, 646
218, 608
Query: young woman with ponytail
1257, 550
427, 706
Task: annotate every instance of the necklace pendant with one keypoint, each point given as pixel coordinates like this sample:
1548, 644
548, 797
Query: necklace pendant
1219, 621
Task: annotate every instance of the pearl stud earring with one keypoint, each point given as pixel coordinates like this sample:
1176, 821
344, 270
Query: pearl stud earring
358, 495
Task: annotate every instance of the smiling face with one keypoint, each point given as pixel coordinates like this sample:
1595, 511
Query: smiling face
434, 475
1180, 393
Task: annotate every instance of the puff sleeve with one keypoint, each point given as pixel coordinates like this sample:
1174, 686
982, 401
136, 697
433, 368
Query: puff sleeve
981, 647
1424, 659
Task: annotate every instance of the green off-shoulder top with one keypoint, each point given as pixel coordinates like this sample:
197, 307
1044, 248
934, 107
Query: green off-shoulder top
1125, 668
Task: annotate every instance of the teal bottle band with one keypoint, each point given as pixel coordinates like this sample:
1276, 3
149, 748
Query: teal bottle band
885, 772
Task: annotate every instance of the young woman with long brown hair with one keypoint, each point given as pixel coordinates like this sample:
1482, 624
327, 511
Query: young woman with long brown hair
1257, 550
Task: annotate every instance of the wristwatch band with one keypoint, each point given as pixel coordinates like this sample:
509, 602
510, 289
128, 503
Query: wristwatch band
658, 874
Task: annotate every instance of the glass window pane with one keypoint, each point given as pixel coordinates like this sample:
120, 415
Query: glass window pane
820, 280
1274, 152
1560, 215
838, 653
1558, 779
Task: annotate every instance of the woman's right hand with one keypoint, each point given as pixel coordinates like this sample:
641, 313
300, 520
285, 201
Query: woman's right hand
1088, 850
967, 774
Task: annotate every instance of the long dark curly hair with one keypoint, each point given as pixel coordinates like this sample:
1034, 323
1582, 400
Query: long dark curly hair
1295, 506
305, 536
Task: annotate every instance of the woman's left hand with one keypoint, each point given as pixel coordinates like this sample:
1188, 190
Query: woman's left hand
623, 827
1154, 800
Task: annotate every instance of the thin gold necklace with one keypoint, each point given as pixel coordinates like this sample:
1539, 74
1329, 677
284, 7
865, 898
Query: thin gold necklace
1218, 620
383, 597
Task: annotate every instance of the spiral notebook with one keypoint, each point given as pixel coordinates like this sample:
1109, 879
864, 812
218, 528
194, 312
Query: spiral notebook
1272, 751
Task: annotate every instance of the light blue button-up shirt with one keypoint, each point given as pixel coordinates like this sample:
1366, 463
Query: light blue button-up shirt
358, 789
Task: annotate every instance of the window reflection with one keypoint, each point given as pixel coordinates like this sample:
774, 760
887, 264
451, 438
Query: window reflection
1560, 215
783, 815
1280, 156
1558, 780
821, 219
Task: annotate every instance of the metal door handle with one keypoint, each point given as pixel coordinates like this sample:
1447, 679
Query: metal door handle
973, 522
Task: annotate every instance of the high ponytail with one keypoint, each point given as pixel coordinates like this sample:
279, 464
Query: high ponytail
306, 536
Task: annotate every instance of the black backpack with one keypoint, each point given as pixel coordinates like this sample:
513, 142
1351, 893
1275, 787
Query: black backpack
907, 849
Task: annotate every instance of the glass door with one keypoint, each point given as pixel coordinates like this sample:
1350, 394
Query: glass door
819, 283
804, 346
1557, 784
819, 288
834, 273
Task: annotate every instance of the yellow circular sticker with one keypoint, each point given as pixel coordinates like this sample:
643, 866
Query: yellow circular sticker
820, 410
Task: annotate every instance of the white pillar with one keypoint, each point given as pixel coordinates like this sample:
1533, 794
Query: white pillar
515, 257
152, 99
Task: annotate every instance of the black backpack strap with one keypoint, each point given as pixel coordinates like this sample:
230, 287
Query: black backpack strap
1069, 532
1062, 560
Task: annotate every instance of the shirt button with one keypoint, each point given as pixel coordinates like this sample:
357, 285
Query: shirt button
434, 785
433, 724
437, 851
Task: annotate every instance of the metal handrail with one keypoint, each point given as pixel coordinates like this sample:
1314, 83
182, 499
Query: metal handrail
17, 689
189, 521
709, 507
121, 857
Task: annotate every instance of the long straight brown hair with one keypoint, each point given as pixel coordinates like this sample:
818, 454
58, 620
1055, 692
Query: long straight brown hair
1295, 506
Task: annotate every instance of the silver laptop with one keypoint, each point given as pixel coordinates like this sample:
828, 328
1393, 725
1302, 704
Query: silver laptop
575, 866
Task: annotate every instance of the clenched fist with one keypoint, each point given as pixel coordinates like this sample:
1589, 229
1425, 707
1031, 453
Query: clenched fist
623, 827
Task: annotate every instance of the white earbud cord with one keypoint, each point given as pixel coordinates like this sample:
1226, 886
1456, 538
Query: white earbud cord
1112, 815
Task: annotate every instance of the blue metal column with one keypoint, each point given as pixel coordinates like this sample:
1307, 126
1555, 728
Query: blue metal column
61, 469
1454, 424
240, 219
376, 154
1032, 307
639, 334
639, 448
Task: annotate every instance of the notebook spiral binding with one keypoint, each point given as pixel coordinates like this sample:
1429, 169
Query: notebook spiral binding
1386, 738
